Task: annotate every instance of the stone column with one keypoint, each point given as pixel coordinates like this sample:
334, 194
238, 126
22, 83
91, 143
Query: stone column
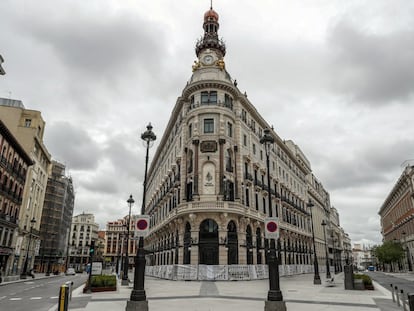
183, 181
236, 183
242, 249
196, 144
194, 247
221, 161
223, 251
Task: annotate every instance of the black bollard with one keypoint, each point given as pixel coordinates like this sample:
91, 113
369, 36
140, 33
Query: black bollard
411, 301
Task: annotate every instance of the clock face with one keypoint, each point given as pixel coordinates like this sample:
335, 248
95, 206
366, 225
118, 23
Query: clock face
208, 59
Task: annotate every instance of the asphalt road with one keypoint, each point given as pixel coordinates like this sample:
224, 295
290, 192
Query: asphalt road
407, 285
35, 294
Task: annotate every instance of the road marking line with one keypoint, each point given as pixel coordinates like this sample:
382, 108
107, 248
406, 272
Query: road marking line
15, 298
54, 297
35, 298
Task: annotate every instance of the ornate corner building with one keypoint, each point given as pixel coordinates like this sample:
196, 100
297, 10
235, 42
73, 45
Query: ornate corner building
207, 189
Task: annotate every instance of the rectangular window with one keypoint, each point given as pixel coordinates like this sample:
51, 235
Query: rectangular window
244, 115
204, 98
245, 140
190, 130
253, 125
208, 97
213, 97
28, 122
228, 101
254, 149
208, 125
229, 129
261, 154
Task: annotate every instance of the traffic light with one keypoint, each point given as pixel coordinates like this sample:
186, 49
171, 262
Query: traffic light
92, 248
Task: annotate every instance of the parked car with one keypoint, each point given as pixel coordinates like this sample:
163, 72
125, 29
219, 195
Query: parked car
70, 271
371, 268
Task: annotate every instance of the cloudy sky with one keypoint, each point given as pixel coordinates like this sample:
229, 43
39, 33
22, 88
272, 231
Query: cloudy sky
334, 76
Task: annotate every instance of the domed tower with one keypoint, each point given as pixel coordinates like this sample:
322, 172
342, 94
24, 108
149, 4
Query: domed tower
210, 39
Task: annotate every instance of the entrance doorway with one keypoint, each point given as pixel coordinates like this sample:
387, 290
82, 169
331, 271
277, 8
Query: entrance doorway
208, 243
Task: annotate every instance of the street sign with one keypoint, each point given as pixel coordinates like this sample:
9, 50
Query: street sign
271, 228
142, 225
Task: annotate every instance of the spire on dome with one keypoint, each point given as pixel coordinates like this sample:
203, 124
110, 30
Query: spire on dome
210, 39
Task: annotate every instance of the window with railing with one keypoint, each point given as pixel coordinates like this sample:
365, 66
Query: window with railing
228, 101
208, 97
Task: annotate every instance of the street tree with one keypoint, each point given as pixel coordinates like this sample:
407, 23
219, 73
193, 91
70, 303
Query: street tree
389, 252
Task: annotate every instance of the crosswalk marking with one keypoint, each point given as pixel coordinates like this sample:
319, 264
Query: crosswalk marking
35, 298
15, 299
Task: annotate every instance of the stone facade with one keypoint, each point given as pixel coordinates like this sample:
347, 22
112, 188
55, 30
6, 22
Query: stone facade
207, 187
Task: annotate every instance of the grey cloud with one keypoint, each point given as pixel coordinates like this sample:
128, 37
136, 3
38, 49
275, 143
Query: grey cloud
125, 155
72, 145
370, 163
102, 183
98, 44
372, 68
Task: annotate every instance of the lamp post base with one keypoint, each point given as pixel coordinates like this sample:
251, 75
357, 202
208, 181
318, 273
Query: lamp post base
275, 306
137, 305
317, 280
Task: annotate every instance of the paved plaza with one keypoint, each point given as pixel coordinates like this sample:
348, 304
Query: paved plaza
298, 292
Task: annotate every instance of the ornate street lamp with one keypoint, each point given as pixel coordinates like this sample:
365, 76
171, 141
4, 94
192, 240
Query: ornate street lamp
138, 300
23, 275
130, 202
328, 272
316, 277
274, 297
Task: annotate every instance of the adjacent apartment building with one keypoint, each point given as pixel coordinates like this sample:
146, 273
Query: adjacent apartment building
28, 127
397, 214
56, 221
83, 231
14, 163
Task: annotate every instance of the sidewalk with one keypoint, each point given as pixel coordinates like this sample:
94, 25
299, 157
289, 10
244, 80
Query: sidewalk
298, 292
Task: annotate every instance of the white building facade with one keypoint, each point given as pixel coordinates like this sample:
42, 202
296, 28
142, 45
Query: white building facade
207, 187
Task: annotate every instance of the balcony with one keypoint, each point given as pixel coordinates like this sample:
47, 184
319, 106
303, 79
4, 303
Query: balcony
248, 176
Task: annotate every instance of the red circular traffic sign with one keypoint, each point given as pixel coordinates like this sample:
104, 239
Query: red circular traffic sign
142, 224
271, 226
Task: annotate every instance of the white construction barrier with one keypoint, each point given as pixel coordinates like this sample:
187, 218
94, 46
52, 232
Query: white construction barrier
222, 272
